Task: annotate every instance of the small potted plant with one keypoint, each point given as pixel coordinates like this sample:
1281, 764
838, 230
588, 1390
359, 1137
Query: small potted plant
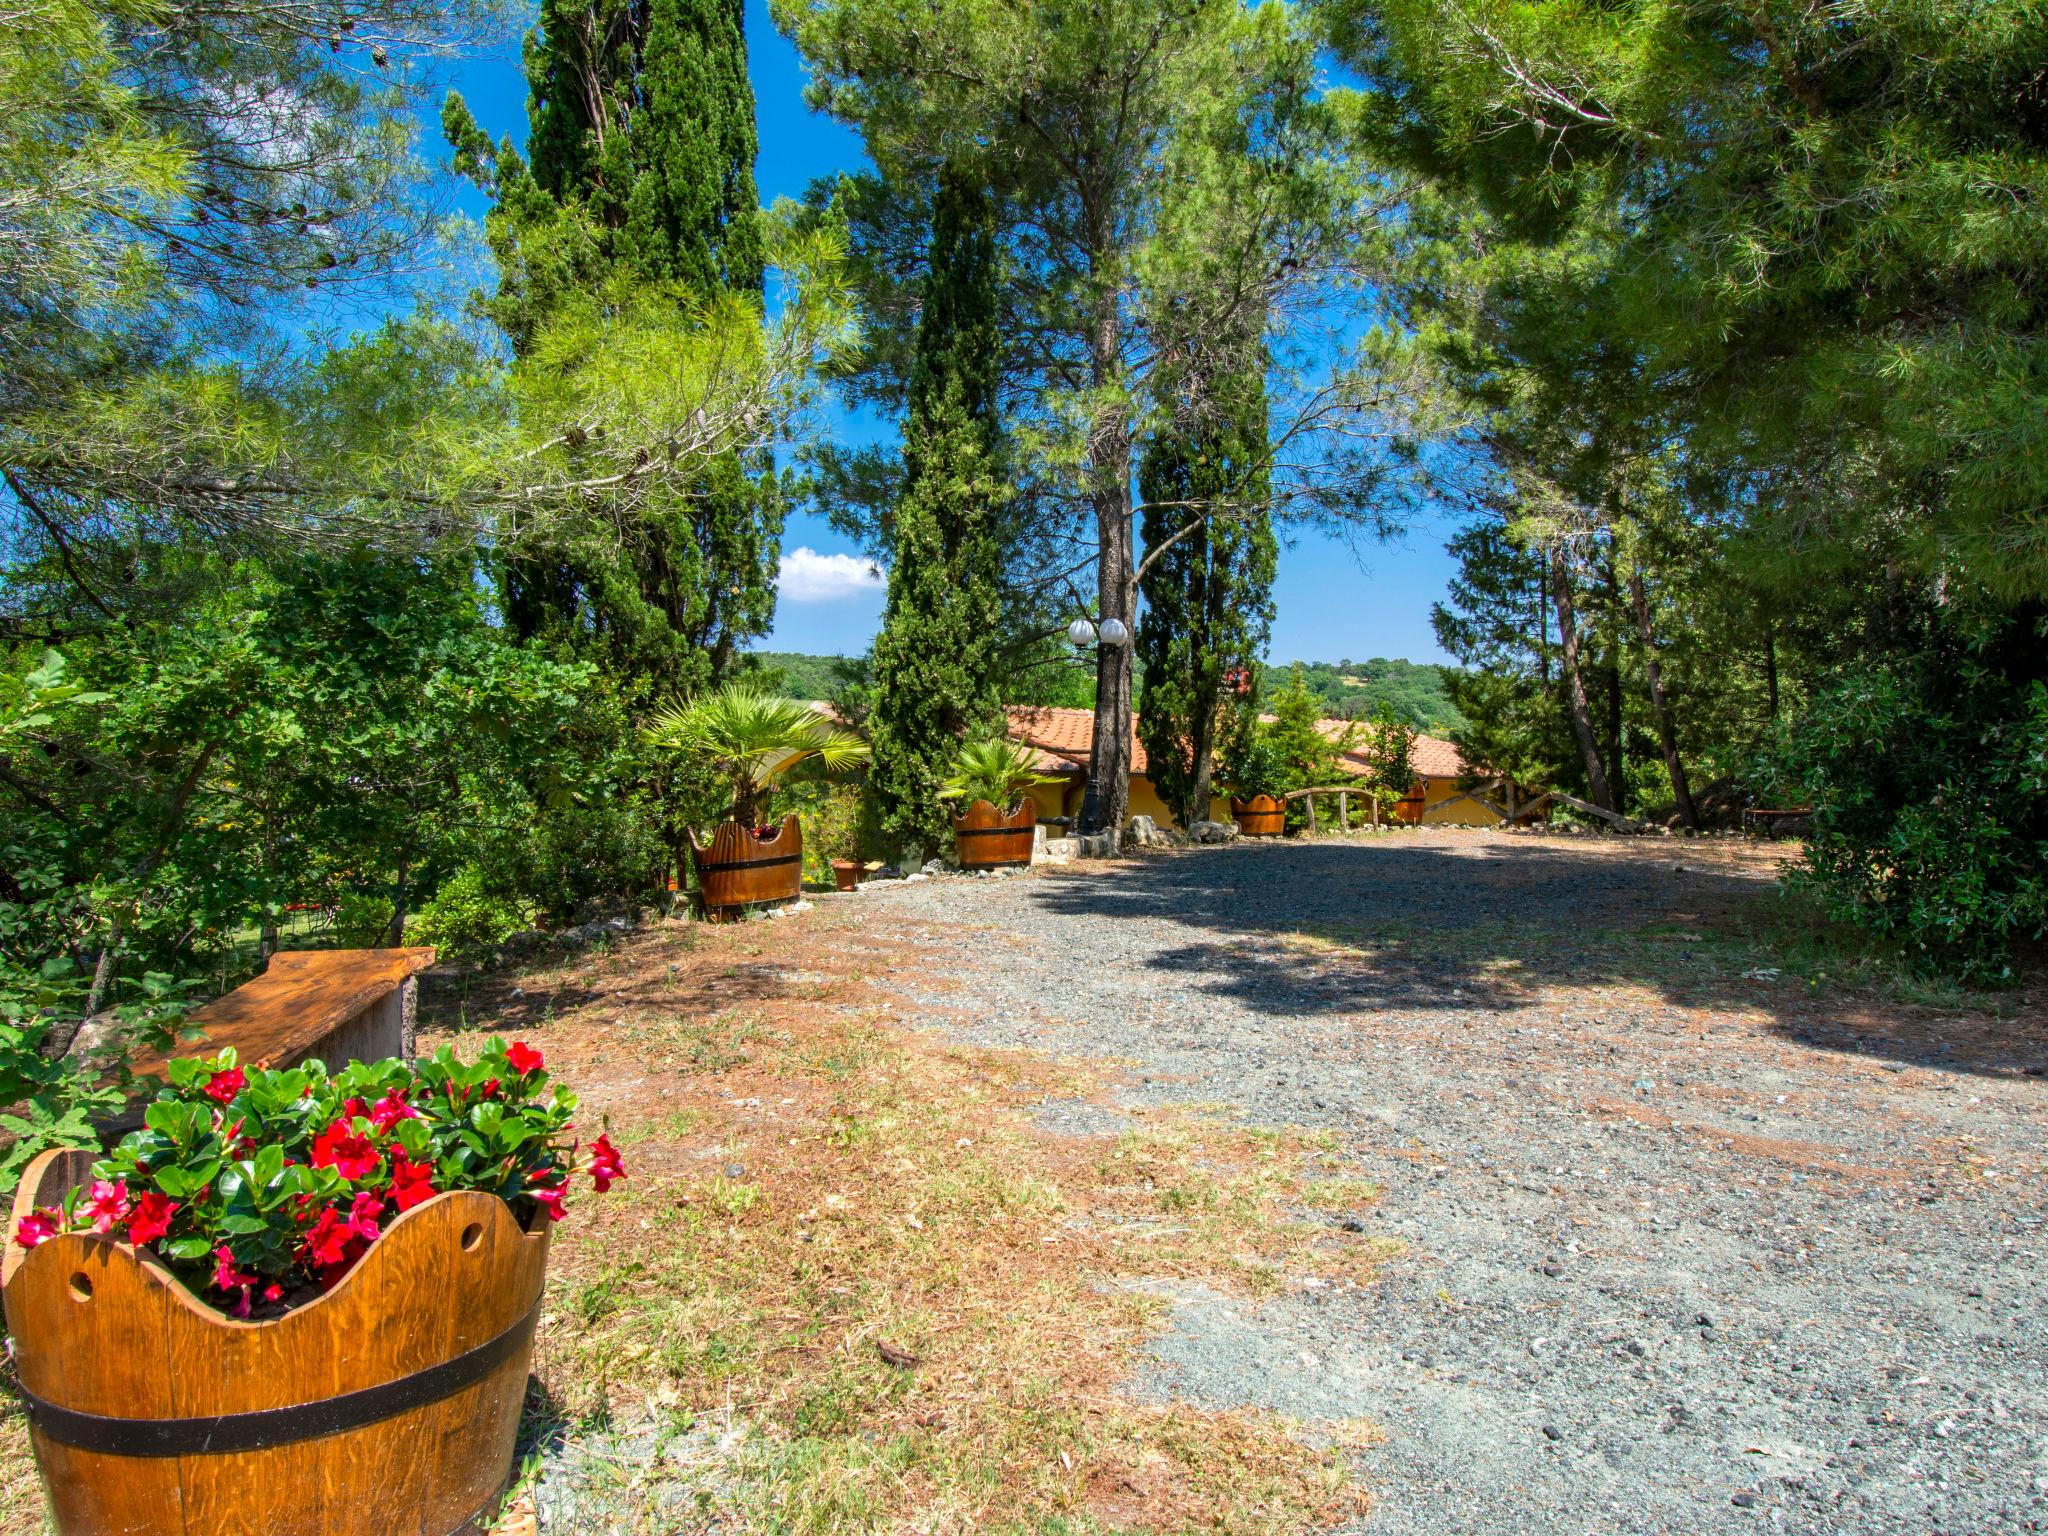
995, 829
752, 740
293, 1301
833, 822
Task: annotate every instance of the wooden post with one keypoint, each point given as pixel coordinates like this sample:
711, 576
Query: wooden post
1311, 814
1344, 809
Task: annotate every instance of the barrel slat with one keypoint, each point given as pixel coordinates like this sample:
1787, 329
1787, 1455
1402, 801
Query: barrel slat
1260, 816
988, 838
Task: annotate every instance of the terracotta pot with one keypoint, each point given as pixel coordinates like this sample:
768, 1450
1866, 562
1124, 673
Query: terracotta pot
389, 1404
845, 873
988, 838
1260, 816
737, 868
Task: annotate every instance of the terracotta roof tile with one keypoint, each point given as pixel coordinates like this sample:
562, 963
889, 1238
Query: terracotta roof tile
1065, 738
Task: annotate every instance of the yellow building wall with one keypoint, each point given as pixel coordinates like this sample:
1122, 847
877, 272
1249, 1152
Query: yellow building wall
1466, 813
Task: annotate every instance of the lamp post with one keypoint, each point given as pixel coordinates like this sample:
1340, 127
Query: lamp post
1084, 636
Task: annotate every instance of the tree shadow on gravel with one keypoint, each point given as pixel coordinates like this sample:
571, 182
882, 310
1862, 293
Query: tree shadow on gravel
1388, 925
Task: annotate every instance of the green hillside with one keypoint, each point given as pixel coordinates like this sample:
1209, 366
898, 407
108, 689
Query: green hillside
1356, 689
1353, 689
798, 676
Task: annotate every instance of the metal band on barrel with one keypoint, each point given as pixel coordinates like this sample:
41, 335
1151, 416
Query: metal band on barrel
225, 1433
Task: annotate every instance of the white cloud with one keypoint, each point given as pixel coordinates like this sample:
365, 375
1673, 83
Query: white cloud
809, 577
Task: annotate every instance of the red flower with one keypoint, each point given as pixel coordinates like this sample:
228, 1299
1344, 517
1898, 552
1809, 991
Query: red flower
549, 1198
605, 1165
228, 1278
225, 1276
491, 1087
411, 1182
151, 1218
327, 1243
273, 1292
223, 1086
391, 1109
107, 1204
350, 1108
522, 1058
347, 1153
38, 1226
362, 1216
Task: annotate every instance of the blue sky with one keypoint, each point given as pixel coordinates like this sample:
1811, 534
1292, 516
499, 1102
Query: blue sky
1334, 601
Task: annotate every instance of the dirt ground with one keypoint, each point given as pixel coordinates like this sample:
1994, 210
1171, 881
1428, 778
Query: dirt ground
1444, 1182
1691, 1244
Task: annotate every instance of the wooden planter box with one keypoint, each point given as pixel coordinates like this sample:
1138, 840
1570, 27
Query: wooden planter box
388, 1405
738, 868
988, 839
1260, 816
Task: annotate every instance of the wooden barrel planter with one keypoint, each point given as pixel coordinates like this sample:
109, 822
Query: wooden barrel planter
738, 868
987, 838
390, 1404
1260, 816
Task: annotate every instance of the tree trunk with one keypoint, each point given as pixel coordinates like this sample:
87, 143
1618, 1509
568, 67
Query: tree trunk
1574, 681
1109, 766
394, 931
1617, 765
1771, 665
1203, 765
1667, 730
266, 942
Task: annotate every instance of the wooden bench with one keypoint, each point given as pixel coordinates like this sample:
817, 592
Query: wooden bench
339, 1005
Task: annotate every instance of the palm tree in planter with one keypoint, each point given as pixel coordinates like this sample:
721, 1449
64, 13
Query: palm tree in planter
293, 1301
994, 830
752, 740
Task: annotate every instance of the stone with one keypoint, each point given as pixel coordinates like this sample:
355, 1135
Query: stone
934, 867
1145, 833
1102, 845
1038, 842
1055, 850
1213, 832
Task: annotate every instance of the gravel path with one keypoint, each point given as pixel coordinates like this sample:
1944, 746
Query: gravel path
1686, 1249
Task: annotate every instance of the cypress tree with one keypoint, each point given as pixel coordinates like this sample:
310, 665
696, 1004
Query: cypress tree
935, 659
642, 144
1209, 593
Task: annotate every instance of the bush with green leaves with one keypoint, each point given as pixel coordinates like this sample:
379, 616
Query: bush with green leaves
1929, 787
262, 1188
468, 916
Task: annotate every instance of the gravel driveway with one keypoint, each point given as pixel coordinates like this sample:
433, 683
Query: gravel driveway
1689, 1246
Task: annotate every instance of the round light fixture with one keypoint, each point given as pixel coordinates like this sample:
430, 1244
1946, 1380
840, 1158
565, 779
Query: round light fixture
1081, 634
1114, 632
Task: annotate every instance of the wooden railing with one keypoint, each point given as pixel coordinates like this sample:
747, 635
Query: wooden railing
1343, 792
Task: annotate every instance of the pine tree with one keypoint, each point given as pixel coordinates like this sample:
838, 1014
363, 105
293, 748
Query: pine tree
935, 660
1209, 593
642, 141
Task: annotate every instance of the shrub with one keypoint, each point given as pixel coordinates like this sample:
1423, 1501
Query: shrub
362, 920
834, 819
262, 1188
1929, 788
466, 917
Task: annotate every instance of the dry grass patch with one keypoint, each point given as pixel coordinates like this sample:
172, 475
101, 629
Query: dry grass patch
851, 1243
852, 1279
